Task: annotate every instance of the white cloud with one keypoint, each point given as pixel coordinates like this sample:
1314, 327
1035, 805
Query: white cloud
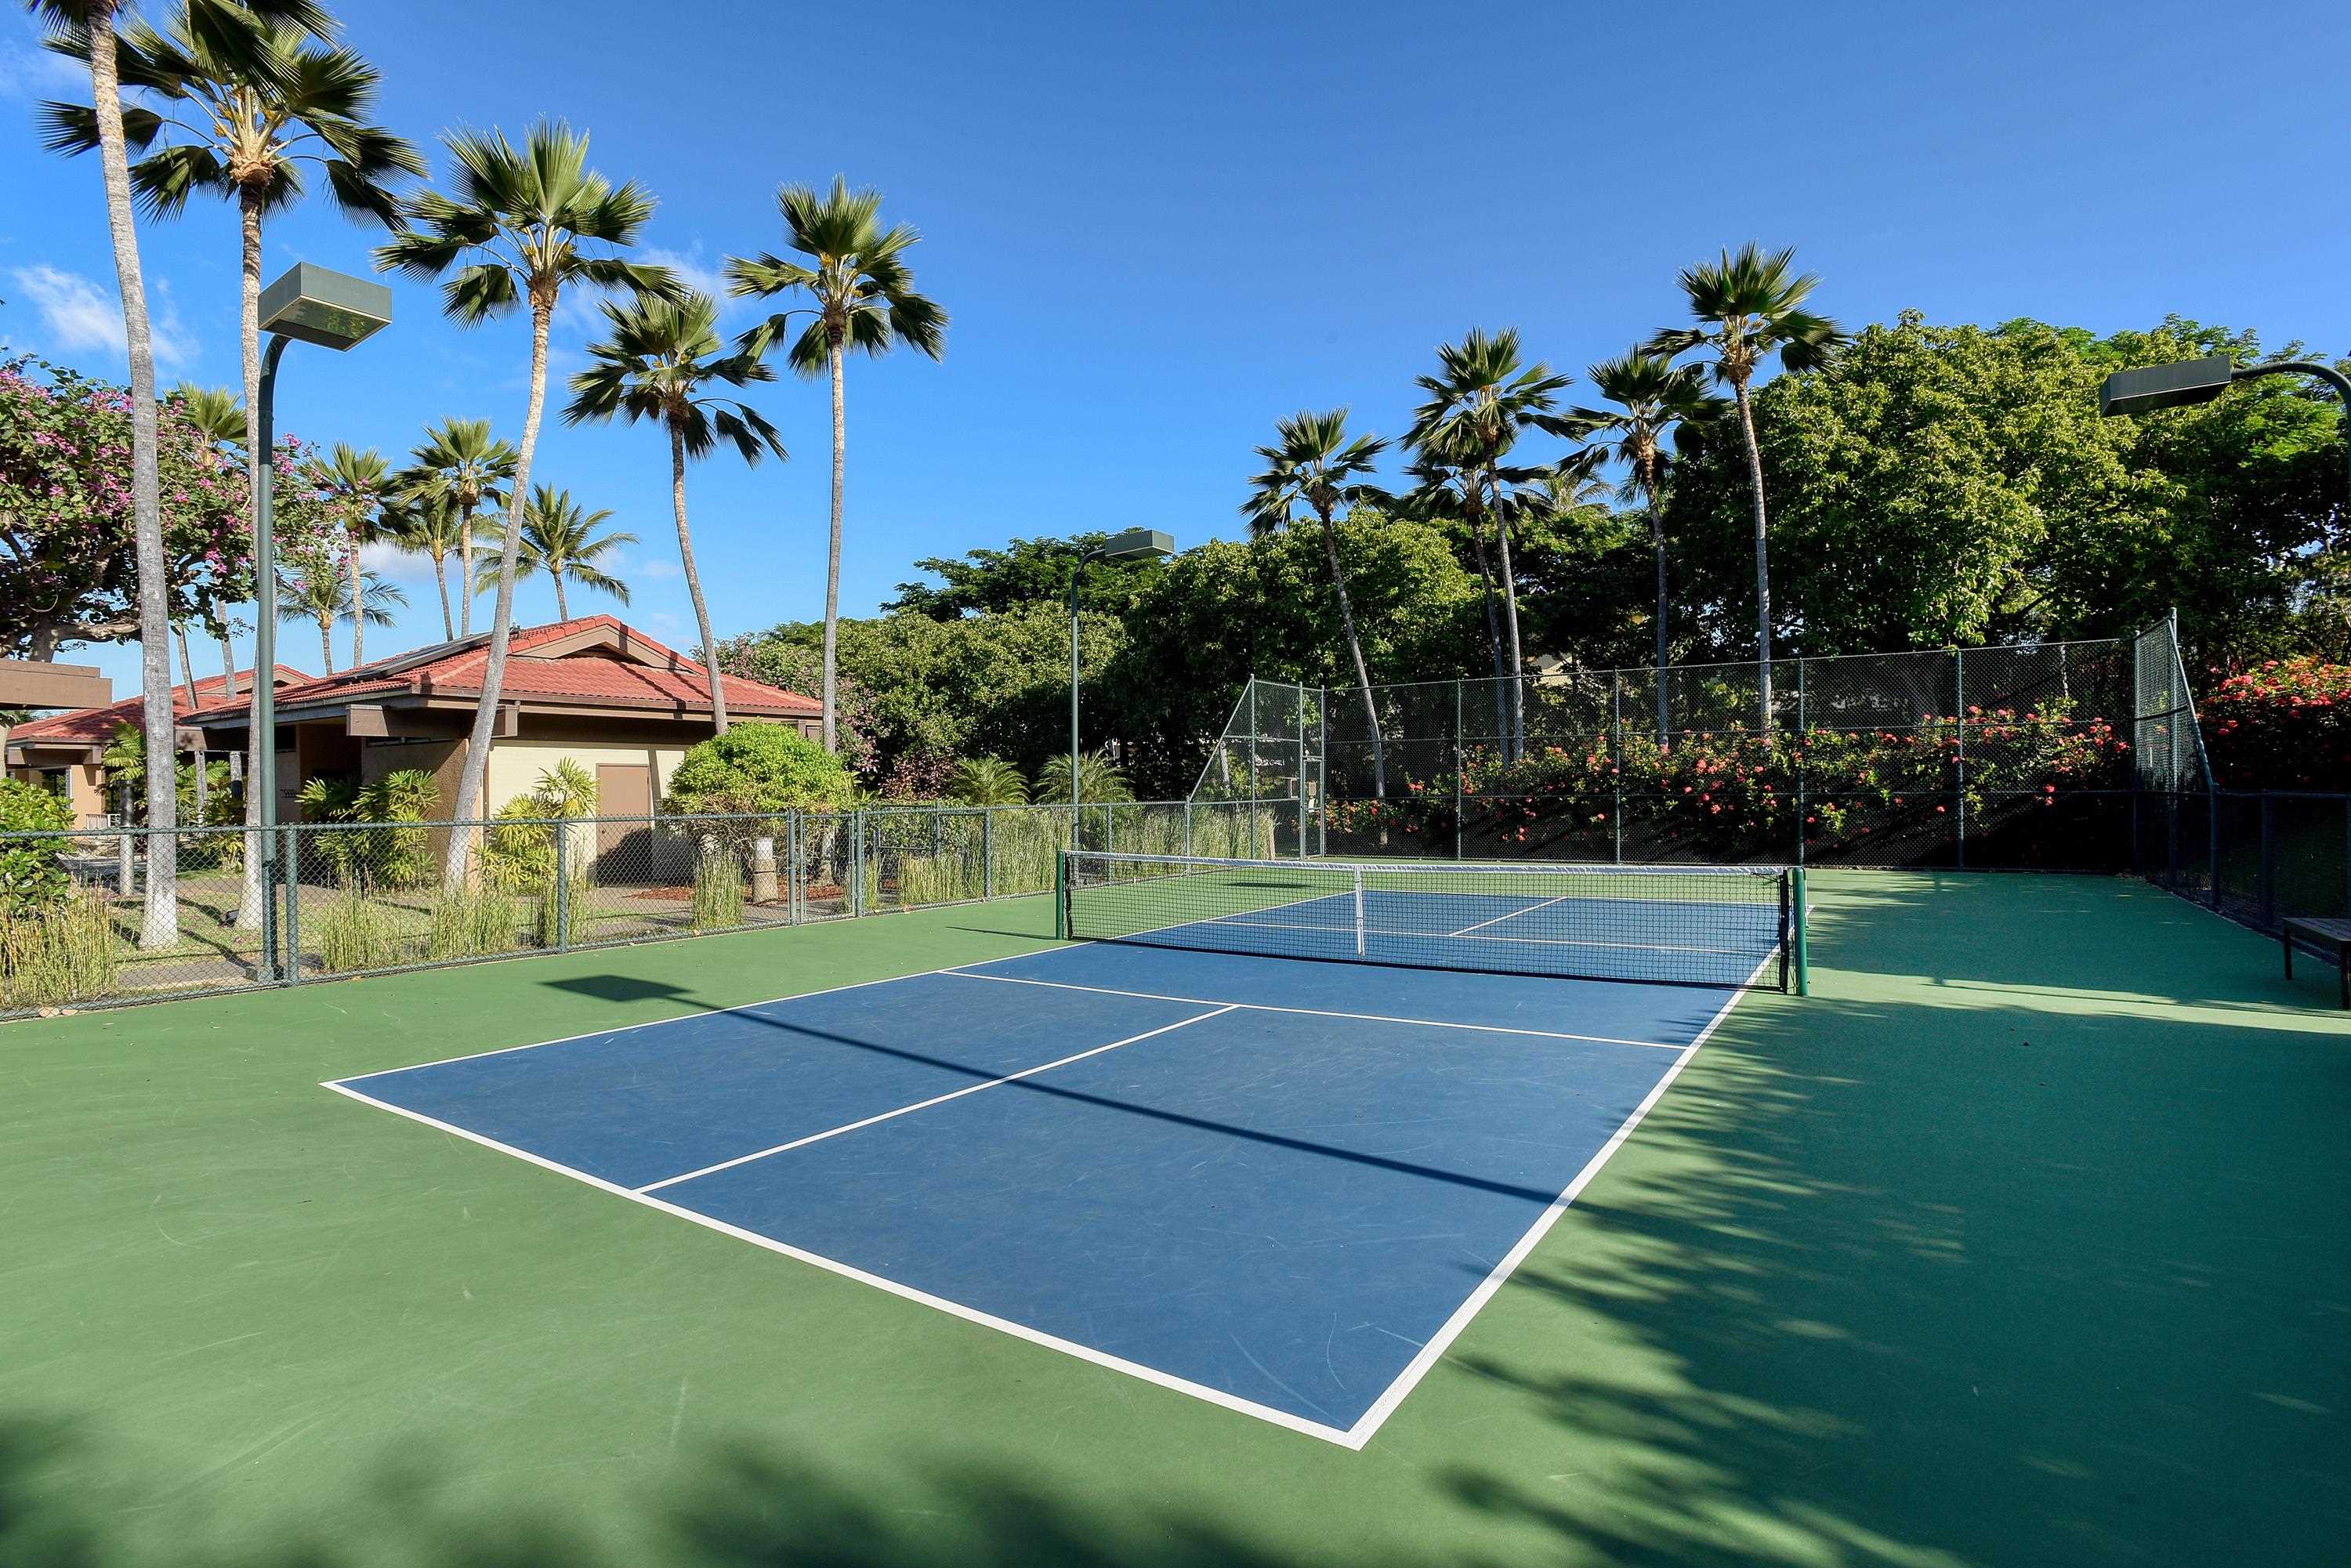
655, 568
76, 314
693, 270
663, 623
29, 71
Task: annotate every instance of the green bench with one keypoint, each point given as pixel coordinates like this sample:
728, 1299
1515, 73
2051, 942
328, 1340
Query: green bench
2328, 935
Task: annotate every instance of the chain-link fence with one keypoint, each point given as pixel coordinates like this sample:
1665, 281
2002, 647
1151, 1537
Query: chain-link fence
2009, 756
369, 897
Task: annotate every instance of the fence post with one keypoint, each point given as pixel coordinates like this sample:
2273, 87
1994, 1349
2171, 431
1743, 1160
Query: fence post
1960, 719
856, 862
2269, 866
1804, 744
1616, 763
791, 868
562, 885
1322, 773
292, 855
1187, 828
2212, 841
1460, 762
1301, 777
987, 852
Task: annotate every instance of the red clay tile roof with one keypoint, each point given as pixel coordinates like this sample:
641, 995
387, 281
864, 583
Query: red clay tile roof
97, 724
592, 660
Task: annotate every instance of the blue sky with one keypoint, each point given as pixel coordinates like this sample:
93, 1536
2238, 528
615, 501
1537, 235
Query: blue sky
1159, 227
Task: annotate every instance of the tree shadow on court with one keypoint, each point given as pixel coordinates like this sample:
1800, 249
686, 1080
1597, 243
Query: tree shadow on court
624, 989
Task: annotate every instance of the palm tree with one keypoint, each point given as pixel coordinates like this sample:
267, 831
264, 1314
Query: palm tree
216, 414
1314, 465
354, 485
661, 356
1480, 401
1652, 395
1749, 305
513, 231
428, 525
251, 93
559, 538
459, 469
316, 587
862, 296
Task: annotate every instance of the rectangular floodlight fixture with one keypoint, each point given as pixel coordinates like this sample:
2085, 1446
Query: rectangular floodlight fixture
2151, 387
1138, 544
331, 309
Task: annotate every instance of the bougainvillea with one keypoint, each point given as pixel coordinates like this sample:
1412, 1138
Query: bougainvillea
1740, 797
2283, 725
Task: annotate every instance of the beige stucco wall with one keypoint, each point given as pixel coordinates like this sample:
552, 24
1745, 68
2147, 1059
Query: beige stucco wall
85, 790
515, 765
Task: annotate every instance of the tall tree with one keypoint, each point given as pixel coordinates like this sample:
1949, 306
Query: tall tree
658, 362
428, 525
461, 469
1749, 305
559, 538
354, 484
1314, 465
513, 232
316, 586
861, 296
250, 94
1482, 397
1652, 395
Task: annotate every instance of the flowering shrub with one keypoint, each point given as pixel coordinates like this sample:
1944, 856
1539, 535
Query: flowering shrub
2285, 726
1737, 797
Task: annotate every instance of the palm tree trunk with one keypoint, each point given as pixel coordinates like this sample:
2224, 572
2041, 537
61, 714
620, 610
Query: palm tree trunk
694, 578
562, 609
1486, 577
160, 927
187, 665
458, 863
1657, 543
228, 668
1355, 652
260, 770
1762, 565
464, 571
326, 642
359, 620
440, 581
1516, 689
832, 553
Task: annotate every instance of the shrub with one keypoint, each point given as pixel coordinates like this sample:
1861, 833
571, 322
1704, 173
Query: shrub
718, 889
2285, 726
61, 953
30, 877
466, 925
356, 931
1099, 779
987, 781
759, 767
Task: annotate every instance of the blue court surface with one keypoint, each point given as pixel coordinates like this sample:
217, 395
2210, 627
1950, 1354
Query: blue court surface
1283, 1186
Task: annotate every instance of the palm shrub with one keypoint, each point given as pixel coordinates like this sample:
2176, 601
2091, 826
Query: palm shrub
1100, 780
989, 781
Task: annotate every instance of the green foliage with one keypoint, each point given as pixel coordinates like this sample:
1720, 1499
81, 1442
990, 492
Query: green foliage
759, 767
30, 877
987, 781
387, 856
355, 932
718, 898
2285, 724
469, 923
1099, 780
1025, 572
57, 953
518, 848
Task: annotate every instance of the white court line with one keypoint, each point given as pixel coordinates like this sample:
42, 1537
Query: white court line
1086, 1353
681, 1017
1439, 1343
934, 1100
1513, 914
1310, 1012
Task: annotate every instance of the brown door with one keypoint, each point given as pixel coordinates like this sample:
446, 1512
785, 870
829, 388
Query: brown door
622, 789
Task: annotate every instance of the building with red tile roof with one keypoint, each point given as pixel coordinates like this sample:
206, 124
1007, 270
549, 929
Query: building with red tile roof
591, 689
64, 751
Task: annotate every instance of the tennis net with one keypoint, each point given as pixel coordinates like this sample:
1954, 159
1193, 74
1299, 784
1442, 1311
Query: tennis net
1700, 926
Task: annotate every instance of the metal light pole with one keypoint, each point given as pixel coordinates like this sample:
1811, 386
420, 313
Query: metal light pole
334, 310
1134, 544
2151, 387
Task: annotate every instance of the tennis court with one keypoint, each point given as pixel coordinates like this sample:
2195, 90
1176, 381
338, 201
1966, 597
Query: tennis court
2021, 1238
1282, 1187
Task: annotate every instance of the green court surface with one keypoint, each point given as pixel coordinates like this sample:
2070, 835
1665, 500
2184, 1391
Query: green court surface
2025, 1239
